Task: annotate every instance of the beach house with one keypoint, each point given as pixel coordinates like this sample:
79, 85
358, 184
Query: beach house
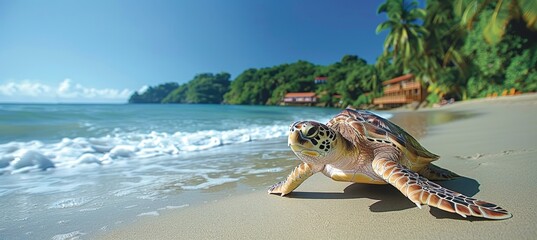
303, 98
320, 80
399, 91
300, 98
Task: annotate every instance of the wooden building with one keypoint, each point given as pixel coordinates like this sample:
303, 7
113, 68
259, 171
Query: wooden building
300, 98
399, 91
320, 80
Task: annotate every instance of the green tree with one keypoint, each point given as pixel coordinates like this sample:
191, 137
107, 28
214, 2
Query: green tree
236, 93
442, 65
178, 95
521, 73
510, 63
405, 39
352, 79
153, 94
269, 85
504, 11
207, 88
296, 77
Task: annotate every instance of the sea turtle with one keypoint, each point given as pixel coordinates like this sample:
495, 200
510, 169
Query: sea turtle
359, 146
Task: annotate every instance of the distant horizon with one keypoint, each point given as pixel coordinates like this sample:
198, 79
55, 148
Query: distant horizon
63, 103
27, 89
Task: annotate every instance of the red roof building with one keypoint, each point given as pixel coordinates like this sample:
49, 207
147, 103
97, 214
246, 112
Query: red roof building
400, 90
300, 98
320, 80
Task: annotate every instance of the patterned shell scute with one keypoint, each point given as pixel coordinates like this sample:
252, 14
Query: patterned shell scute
375, 127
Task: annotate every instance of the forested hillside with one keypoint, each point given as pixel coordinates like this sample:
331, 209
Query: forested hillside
350, 79
460, 49
204, 88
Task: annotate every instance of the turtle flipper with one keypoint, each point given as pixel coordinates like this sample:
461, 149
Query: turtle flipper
422, 191
433, 172
299, 175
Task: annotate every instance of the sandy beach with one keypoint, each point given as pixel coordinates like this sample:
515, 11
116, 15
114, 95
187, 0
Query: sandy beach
493, 147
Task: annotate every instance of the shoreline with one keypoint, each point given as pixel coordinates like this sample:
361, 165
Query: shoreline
492, 147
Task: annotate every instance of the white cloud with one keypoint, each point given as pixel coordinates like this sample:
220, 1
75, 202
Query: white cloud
31, 89
65, 91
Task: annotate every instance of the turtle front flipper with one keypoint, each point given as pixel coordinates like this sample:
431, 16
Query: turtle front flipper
297, 177
422, 191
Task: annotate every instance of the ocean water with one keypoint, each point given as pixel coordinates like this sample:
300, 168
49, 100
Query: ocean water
76, 170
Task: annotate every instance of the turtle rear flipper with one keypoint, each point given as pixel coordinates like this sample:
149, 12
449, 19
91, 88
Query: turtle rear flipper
422, 191
433, 172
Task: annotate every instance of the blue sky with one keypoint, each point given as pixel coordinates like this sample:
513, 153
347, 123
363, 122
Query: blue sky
103, 50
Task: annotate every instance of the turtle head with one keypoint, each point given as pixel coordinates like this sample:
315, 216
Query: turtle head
312, 142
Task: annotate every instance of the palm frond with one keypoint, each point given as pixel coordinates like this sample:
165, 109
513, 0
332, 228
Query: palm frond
495, 29
528, 10
384, 26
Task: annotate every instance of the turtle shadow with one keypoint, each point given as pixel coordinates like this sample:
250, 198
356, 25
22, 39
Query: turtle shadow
389, 199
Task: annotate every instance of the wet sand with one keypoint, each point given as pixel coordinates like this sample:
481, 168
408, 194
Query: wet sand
493, 147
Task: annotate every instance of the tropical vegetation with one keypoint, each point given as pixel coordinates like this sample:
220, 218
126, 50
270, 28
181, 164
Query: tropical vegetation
459, 49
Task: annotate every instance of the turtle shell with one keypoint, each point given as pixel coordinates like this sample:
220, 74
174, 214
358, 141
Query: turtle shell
360, 125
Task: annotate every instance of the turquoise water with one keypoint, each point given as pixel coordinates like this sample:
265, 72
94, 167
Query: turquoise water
77, 170
50, 123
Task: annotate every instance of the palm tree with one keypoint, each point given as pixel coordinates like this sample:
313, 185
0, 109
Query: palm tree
405, 40
504, 12
444, 41
445, 36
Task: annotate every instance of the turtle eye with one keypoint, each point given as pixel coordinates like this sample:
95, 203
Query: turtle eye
311, 132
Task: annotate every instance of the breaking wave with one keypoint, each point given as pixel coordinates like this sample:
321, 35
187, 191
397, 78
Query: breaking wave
71, 152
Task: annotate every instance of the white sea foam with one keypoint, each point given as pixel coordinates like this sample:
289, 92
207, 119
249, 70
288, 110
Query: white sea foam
211, 182
29, 156
152, 213
264, 171
70, 202
88, 158
65, 236
174, 207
